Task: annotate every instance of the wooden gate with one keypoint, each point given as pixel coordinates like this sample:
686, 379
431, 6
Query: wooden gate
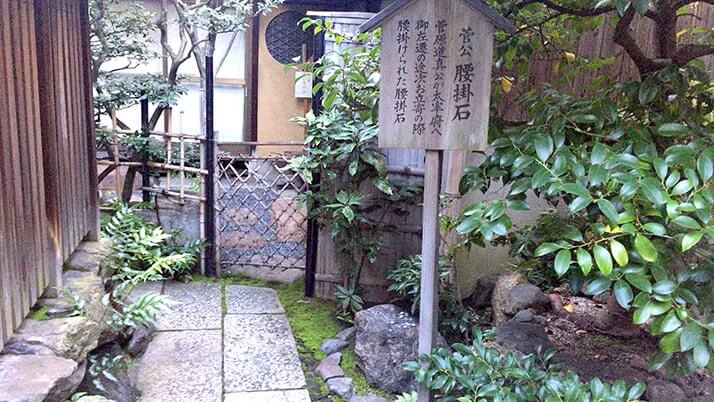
47, 177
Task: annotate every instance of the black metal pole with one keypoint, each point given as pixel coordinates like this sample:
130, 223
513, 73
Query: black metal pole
145, 182
210, 210
318, 50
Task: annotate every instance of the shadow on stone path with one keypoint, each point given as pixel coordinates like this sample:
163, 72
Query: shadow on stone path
202, 352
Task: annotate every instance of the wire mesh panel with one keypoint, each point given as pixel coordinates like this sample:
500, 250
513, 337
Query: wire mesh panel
260, 221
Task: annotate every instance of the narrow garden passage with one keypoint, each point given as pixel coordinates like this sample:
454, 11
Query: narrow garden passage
220, 343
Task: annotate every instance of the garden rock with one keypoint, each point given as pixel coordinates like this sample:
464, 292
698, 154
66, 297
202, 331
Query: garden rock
331, 346
87, 288
664, 391
524, 337
482, 291
139, 340
368, 398
84, 261
20, 380
330, 367
341, 386
118, 390
524, 296
504, 283
346, 334
386, 336
70, 338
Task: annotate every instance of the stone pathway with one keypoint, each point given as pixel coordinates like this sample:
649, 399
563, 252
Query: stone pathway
211, 347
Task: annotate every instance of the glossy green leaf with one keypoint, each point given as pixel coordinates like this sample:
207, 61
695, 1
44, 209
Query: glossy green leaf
597, 286
665, 287
641, 315
640, 282
562, 261
543, 146
602, 259
701, 355
599, 153
623, 294
671, 129
585, 261
608, 209
655, 228
690, 240
691, 335
619, 253
670, 342
546, 248
670, 323
705, 166
686, 222
645, 248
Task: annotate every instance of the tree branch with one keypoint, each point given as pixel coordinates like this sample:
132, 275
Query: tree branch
687, 53
623, 37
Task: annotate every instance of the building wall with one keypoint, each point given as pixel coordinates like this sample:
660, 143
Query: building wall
229, 87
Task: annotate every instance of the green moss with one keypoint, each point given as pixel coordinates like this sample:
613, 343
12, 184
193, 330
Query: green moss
40, 314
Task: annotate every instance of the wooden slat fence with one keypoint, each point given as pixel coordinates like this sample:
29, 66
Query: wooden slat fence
47, 180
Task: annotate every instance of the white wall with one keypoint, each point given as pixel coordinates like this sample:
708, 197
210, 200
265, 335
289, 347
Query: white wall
228, 98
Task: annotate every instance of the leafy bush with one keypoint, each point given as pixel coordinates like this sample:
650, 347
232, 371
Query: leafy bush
405, 280
477, 372
355, 192
141, 251
634, 165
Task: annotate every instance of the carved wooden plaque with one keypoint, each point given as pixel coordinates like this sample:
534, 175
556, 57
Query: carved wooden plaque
436, 76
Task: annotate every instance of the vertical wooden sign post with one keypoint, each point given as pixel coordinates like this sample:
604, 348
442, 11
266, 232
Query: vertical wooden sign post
434, 95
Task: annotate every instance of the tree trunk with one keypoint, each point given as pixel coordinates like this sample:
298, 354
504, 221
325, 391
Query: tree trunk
128, 184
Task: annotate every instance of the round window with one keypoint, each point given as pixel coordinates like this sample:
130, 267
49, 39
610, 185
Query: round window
285, 37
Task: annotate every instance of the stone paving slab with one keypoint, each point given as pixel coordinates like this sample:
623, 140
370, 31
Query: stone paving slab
297, 395
260, 354
182, 366
252, 300
193, 305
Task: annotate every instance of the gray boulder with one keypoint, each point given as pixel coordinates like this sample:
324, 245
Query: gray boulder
330, 367
346, 334
331, 346
38, 378
70, 338
480, 295
139, 340
84, 261
386, 337
504, 283
664, 391
524, 337
341, 386
524, 296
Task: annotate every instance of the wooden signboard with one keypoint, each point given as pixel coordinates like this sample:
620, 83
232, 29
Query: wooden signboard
434, 95
436, 74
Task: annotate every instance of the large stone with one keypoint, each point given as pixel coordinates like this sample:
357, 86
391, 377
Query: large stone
341, 386
139, 340
386, 337
84, 261
70, 338
192, 305
346, 334
295, 395
252, 300
38, 378
331, 346
329, 367
504, 283
181, 366
117, 388
524, 337
524, 296
78, 287
368, 398
664, 391
260, 354
482, 291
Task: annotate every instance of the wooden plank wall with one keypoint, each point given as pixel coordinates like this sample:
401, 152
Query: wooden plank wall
47, 184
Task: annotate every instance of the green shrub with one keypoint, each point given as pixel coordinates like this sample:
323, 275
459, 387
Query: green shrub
477, 372
405, 281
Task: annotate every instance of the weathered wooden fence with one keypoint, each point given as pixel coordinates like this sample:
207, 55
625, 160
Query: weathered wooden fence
47, 179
